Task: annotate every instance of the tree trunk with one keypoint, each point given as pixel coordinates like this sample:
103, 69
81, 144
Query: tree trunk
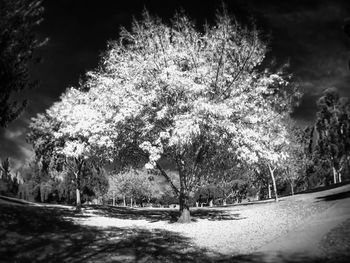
77, 191
224, 201
334, 175
124, 200
185, 216
42, 194
273, 182
257, 195
113, 198
269, 190
292, 188
339, 177
131, 202
80, 165
211, 203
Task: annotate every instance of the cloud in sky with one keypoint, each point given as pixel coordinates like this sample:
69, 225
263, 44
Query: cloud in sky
310, 35
13, 139
13, 145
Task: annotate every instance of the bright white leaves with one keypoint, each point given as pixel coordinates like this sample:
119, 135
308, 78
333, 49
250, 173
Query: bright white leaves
167, 87
75, 149
182, 84
155, 152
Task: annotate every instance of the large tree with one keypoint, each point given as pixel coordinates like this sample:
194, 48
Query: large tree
17, 44
176, 96
332, 126
179, 94
61, 137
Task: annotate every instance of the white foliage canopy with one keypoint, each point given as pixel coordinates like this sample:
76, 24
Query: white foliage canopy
169, 87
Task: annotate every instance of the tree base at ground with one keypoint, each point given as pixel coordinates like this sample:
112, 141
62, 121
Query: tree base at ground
185, 216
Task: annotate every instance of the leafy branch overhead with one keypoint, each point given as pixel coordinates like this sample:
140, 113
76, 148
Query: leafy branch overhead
17, 44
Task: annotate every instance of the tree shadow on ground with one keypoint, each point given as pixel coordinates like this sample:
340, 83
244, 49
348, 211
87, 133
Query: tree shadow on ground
154, 215
44, 234
151, 215
258, 202
37, 219
215, 214
333, 197
323, 188
280, 258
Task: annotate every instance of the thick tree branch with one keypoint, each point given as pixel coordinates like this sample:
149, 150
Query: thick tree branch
242, 67
160, 168
219, 64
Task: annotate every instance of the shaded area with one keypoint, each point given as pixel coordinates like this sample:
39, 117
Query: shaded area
257, 202
42, 234
16, 200
323, 188
151, 215
49, 234
36, 219
333, 197
279, 258
336, 244
215, 215
154, 215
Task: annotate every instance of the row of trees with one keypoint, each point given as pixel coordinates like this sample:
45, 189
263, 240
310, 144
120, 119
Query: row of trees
31, 182
306, 167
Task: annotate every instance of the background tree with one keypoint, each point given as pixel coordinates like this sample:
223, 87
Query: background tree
8, 182
272, 152
59, 141
136, 185
344, 133
41, 135
17, 44
230, 177
295, 164
331, 144
94, 182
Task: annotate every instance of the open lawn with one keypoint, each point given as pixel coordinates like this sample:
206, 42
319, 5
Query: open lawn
263, 231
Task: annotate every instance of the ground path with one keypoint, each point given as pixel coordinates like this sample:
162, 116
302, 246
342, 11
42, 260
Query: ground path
305, 241
288, 231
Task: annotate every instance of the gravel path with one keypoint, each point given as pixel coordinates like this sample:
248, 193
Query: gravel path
244, 229
307, 237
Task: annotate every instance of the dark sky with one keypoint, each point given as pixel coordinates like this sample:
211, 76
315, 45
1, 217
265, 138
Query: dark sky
308, 34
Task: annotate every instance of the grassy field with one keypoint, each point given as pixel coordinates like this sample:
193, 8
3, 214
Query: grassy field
51, 233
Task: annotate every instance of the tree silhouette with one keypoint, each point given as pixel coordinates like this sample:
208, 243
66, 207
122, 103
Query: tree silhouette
17, 43
347, 30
